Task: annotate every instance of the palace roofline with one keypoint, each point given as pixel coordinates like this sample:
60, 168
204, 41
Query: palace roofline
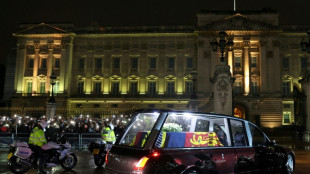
263, 10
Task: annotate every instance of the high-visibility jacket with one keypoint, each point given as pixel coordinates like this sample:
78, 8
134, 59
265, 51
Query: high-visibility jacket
37, 137
108, 135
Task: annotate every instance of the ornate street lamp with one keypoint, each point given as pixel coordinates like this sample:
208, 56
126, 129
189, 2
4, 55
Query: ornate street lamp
224, 42
305, 46
53, 82
194, 77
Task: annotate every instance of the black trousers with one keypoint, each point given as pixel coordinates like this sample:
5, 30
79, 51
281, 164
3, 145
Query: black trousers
37, 152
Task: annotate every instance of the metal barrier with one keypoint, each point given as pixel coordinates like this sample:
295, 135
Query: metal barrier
6, 139
77, 141
86, 138
74, 140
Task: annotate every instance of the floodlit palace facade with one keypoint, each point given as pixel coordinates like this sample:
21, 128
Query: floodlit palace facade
112, 70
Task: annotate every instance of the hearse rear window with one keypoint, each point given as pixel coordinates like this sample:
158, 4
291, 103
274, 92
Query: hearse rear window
138, 132
193, 130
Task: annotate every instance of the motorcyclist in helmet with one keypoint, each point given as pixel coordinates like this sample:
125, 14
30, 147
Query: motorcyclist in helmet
36, 140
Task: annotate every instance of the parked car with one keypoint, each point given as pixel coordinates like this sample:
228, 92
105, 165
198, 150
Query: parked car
166, 141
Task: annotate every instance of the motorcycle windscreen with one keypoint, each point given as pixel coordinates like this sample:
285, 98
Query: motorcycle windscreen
23, 152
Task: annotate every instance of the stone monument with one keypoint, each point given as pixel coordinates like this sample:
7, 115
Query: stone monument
222, 89
222, 80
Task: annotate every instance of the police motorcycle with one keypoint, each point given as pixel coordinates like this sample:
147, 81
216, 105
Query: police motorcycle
99, 149
21, 158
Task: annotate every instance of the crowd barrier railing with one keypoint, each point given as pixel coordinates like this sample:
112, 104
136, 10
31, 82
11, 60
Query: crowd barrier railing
78, 141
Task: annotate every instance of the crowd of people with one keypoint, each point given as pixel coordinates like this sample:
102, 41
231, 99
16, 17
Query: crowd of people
58, 124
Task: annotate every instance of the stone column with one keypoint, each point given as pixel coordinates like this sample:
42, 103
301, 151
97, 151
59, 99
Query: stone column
20, 67
263, 66
49, 68
63, 70
246, 65
35, 68
222, 87
306, 89
230, 61
69, 62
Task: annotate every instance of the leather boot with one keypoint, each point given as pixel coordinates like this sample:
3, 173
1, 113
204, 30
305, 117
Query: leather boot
41, 165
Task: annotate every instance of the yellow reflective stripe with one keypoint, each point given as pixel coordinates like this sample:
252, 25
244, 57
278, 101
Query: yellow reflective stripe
163, 139
35, 140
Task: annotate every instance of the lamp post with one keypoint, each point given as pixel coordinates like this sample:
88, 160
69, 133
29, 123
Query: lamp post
51, 104
224, 42
53, 82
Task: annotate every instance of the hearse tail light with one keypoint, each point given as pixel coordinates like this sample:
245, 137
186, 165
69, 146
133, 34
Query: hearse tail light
155, 154
141, 163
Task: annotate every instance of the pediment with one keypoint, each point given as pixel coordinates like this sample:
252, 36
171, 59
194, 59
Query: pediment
239, 22
42, 29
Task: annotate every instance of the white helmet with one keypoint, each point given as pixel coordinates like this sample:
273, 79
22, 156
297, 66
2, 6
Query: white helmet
111, 126
43, 124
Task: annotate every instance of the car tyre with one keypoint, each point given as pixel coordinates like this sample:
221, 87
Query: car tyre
99, 160
289, 165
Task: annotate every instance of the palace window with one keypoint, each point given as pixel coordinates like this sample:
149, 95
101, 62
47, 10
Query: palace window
153, 46
97, 88
57, 63
285, 63
254, 62
237, 62
135, 45
42, 87
134, 63
254, 88
286, 88
189, 88
116, 63
81, 63
43, 63
189, 63
170, 88
171, 63
303, 62
80, 88
29, 87
171, 46
286, 119
152, 88
31, 63
238, 88
98, 63
133, 88
115, 88
153, 63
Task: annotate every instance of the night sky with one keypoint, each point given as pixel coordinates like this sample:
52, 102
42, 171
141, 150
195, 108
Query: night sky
130, 13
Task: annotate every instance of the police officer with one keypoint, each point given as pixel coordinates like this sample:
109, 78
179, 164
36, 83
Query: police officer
36, 140
108, 134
